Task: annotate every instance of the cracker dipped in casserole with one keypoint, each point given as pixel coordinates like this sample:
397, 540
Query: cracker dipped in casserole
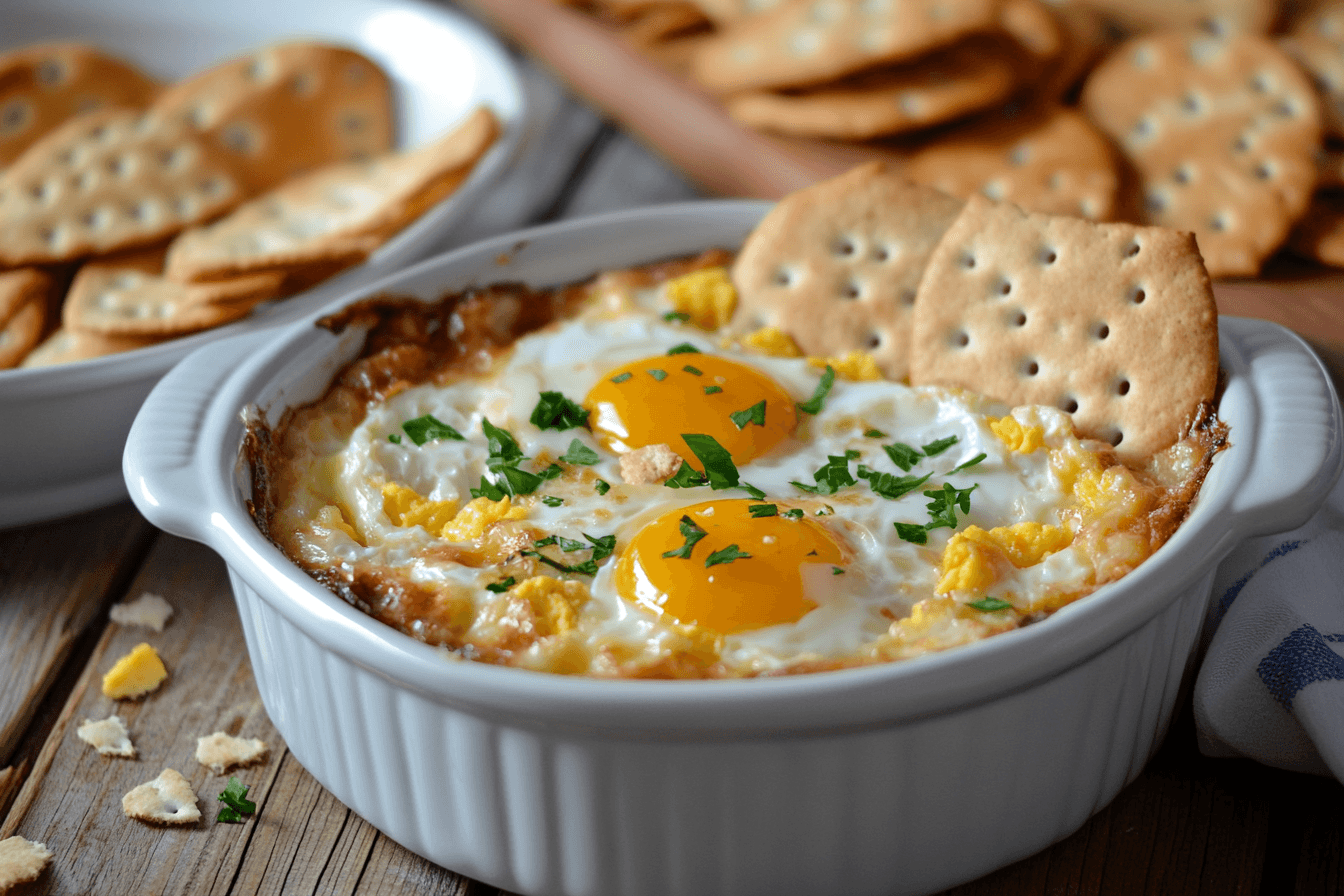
713, 466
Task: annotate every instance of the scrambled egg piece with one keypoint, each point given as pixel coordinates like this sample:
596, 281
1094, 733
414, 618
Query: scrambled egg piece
1023, 439
707, 296
855, 365
472, 521
972, 557
772, 341
405, 507
135, 674
1113, 492
555, 603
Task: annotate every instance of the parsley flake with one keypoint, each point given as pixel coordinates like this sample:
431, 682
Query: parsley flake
711, 390
726, 555
912, 532
657, 373
831, 477
891, 486
501, 586
684, 348
989, 604
602, 486
759, 510
555, 411
752, 490
603, 547
693, 371
968, 464
621, 377
902, 455
552, 501
681, 316
939, 446
813, 404
718, 464
944, 502
692, 533
580, 453
837, 571
874, 434
754, 414
686, 477
427, 428
586, 568
394, 438
236, 803
795, 513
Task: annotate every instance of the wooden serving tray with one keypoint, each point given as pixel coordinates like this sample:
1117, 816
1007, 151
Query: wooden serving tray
691, 131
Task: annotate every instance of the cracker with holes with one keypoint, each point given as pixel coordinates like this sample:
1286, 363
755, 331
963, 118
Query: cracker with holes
808, 42
127, 295
836, 265
1222, 132
108, 181
168, 799
287, 109
44, 85
24, 296
21, 861
1046, 160
1209, 16
1113, 323
338, 213
937, 88
1316, 41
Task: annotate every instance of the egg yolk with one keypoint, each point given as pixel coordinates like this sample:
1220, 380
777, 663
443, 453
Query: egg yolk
655, 400
743, 572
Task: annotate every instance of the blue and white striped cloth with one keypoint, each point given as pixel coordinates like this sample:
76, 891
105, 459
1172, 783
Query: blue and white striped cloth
1271, 687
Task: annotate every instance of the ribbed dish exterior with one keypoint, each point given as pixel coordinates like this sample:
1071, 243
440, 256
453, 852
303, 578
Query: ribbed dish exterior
909, 807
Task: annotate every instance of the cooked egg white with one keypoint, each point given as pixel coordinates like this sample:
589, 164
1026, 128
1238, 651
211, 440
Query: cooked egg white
808, 579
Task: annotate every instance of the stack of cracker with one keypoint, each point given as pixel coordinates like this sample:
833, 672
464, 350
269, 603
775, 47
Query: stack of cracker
133, 212
1213, 116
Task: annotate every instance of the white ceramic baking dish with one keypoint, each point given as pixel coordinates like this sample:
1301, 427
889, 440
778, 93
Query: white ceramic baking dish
900, 778
66, 426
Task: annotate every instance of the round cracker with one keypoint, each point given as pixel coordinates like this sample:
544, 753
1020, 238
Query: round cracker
836, 265
1113, 323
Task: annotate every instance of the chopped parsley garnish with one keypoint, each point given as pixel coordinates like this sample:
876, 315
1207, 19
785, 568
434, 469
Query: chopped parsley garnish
555, 411
693, 371
394, 438
545, 542
692, 533
989, 604
603, 546
795, 513
236, 803
489, 490
968, 464
752, 490
726, 555
944, 502
837, 571
711, 390
754, 414
912, 532
552, 501
813, 404
686, 477
580, 453
657, 373
621, 377
889, 485
503, 446
508, 479
427, 428
684, 348
501, 586
902, 455
831, 477
586, 568
874, 434
759, 510
602, 486
551, 472
676, 316
939, 446
718, 463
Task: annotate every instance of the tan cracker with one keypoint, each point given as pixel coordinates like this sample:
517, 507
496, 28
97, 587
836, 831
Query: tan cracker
168, 799
221, 752
1113, 323
67, 346
836, 265
21, 861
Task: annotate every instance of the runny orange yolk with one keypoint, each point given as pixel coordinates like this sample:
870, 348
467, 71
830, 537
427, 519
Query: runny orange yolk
656, 400
791, 562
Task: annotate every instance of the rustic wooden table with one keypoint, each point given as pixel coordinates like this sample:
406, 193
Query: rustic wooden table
1187, 825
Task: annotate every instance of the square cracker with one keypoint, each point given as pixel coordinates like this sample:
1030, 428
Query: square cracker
108, 181
287, 109
24, 297
1113, 323
339, 211
835, 265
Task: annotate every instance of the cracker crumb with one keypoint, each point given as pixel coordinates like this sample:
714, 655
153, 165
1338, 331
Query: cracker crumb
108, 736
21, 861
168, 799
652, 463
148, 610
221, 752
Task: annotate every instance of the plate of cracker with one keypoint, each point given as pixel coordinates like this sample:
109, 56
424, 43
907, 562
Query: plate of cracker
171, 176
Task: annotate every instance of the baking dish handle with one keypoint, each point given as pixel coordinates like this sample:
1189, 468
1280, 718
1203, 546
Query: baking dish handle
1299, 449
161, 459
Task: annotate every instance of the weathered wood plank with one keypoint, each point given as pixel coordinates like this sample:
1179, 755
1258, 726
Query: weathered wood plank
47, 601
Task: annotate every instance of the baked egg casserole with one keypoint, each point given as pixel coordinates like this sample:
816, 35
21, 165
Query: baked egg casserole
593, 480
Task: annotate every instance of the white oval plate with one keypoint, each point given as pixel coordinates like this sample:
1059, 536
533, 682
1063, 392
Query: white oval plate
65, 426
